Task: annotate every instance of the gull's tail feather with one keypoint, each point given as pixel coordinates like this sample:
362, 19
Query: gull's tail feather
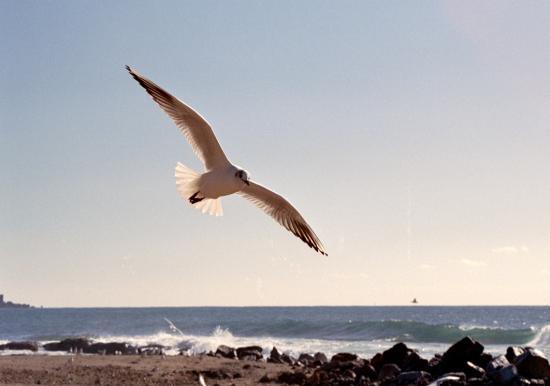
187, 182
211, 205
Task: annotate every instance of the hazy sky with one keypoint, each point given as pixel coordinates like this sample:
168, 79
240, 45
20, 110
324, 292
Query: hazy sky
413, 136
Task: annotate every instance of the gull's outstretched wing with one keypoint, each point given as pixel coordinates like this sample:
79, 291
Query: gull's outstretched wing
195, 128
281, 210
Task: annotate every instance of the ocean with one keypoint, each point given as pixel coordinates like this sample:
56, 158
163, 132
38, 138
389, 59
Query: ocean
361, 330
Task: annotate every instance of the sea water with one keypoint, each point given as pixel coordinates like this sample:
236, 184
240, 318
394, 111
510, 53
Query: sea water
361, 330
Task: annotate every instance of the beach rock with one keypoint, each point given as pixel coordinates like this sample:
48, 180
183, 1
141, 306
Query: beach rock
513, 352
226, 352
377, 361
292, 378
532, 364
461, 352
404, 357
250, 353
319, 377
367, 371
414, 378
111, 348
71, 344
484, 360
501, 371
473, 371
275, 356
347, 377
306, 359
320, 359
343, 357
448, 380
288, 359
31, 346
389, 371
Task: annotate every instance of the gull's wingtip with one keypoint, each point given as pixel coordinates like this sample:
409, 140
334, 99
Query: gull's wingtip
128, 68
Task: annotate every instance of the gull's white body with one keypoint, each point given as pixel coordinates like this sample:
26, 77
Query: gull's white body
220, 182
221, 177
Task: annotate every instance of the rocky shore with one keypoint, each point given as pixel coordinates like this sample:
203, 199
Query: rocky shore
464, 363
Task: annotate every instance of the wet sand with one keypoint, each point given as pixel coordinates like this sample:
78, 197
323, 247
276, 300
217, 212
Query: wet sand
132, 370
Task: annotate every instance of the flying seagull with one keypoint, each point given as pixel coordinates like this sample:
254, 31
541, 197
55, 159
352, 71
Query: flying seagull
221, 178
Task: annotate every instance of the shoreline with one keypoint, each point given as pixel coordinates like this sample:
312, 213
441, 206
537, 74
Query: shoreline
84, 363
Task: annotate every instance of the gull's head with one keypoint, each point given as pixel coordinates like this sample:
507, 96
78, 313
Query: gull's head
243, 176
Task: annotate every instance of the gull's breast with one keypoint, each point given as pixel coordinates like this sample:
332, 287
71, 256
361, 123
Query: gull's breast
217, 183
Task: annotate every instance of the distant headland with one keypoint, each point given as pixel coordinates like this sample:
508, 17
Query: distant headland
4, 304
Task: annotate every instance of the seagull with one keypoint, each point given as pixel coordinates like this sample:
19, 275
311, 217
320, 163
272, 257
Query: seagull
221, 177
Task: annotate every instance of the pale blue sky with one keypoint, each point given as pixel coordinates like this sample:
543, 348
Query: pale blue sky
413, 136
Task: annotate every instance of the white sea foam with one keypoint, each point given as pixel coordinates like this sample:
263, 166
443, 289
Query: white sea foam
542, 338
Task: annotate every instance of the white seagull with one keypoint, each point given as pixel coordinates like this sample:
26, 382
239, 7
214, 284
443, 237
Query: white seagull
221, 178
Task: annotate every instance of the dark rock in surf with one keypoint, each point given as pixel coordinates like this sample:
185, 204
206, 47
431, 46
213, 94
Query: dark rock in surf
343, 357
320, 359
111, 348
226, 352
70, 344
404, 357
377, 361
31, 346
455, 358
533, 364
275, 356
288, 359
250, 353
306, 359
513, 352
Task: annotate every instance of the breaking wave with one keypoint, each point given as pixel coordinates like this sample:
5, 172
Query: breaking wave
389, 330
